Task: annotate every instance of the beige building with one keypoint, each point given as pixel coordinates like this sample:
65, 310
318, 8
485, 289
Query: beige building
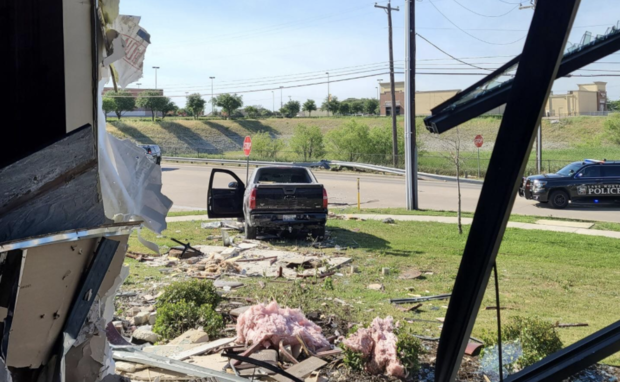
424, 100
589, 99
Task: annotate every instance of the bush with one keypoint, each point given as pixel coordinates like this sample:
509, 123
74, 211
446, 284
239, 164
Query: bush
173, 319
612, 127
538, 339
352, 359
199, 292
264, 146
409, 349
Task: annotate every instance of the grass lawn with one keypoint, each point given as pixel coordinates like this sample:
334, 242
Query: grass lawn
560, 277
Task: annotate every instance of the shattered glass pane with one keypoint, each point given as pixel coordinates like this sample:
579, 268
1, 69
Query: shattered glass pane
489, 362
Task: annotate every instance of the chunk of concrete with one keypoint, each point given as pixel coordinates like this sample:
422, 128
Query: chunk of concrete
144, 334
192, 336
230, 253
375, 286
152, 318
239, 311
141, 318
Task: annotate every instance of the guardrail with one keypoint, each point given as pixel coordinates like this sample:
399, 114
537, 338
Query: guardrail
325, 165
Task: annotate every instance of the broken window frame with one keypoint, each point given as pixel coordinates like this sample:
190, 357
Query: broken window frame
539, 65
456, 111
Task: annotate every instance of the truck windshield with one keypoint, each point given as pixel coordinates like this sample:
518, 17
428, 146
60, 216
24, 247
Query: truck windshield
282, 175
570, 169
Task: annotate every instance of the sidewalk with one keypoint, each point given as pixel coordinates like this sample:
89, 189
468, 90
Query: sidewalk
452, 220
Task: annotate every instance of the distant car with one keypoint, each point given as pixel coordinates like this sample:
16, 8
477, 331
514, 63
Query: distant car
276, 198
153, 152
587, 182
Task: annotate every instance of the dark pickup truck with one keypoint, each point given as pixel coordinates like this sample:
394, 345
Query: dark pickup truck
587, 182
276, 198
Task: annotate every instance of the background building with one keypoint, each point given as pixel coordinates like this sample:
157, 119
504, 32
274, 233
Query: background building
425, 100
138, 111
590, 99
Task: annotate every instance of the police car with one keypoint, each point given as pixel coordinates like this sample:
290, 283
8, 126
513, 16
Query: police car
588, 182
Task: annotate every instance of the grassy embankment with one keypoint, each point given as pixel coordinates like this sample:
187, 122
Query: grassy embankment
569, 140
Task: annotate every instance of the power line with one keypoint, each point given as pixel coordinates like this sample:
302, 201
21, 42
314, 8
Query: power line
448, 54
469, 34
480, 14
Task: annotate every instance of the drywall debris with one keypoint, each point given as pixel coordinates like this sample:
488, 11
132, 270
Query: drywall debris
378, 345
269, 324
141, 318
375, 286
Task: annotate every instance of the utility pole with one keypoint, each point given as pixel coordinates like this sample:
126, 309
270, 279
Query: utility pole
411, 151
212, 101
138, 84
328, 94
389, 10
273, 106
155, 67
281, 103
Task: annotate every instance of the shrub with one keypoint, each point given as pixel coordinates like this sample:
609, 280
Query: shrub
199, 292
537, 338
352, 359
264, 146
409, 349
175, 318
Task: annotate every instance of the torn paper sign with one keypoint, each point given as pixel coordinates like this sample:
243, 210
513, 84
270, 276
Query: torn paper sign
137, 39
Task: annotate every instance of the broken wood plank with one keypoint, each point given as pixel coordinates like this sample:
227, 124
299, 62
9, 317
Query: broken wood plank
257, 259
257, 346
410, 308
329, 353
302, 369
203, 348
558, 325
284, 353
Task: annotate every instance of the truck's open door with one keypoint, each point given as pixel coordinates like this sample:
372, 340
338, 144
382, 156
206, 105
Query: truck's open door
225, 198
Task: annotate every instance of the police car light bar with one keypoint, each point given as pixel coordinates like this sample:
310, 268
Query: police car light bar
593, 161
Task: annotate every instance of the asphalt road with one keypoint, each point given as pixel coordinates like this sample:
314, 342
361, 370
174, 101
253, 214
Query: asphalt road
187, 186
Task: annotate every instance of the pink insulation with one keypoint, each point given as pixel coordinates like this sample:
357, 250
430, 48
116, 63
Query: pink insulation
271, 324
378, 346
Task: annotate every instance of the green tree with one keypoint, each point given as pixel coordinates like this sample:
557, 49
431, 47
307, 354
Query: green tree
349, 142
264, 146
613, 105
380, 148
307, 142
195, 104
108, 105
290, 109
344, 108
251, 111
266, 113
309, 106
371, 106
168, 107
229, 102
123, 101
612, 127
152, 100
357, 106
331, 105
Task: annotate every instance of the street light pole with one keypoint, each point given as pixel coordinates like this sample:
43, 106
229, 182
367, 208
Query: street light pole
328, 94
212, 102
281, 103
138, 84
379, 80
155, 67
273, 106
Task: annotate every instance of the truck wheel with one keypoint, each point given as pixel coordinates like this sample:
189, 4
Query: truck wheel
318, 233
250, 232
559, 199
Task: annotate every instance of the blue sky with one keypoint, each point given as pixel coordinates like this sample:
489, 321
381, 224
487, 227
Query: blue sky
265, 44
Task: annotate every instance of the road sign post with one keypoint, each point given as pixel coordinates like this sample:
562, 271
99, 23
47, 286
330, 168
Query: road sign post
478, 141
247, 149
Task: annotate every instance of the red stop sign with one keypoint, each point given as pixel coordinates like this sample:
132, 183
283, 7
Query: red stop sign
478, 141
247, 146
